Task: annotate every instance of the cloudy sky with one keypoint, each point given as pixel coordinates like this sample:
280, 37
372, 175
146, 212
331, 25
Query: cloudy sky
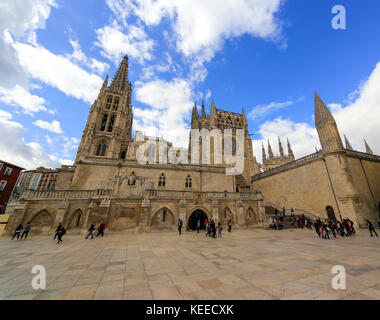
266, 56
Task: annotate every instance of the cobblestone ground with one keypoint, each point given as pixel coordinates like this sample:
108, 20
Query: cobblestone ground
246, 264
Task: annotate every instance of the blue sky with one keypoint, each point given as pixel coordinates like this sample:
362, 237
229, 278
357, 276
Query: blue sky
267, 57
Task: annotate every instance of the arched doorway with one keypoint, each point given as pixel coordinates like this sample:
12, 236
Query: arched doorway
76, 219
197, 215
330, 213
163, 219
42, 219
250, 217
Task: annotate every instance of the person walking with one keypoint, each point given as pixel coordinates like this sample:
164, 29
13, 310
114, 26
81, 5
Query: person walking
26, 230
229, 224
198, 225
90, 232
61, 232
371, 228
57, 230
101, 228
180, 226
17, 232
220, 229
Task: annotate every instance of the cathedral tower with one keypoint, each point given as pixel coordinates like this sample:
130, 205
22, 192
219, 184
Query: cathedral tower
109, 126
326, 127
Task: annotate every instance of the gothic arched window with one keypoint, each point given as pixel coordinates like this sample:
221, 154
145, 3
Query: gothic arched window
109, 102
115, 104
112, 122
162, 181
104, 122
123, 154
101, 149
189, 182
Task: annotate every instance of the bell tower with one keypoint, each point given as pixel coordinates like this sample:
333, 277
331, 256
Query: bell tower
108, 130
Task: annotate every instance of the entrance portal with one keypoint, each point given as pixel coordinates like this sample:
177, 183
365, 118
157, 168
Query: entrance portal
330, 213
194, 217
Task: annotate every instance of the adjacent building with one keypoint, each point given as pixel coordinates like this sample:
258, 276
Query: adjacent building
9, 173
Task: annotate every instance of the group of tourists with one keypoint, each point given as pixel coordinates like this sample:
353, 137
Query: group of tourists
212, 230
100, 230
19, 229
59, 231
344, 228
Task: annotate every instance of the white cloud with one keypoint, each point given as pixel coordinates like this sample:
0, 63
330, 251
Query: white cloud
361, 118
203, 26
53, 126
28, 155
59, 72
49, 140
78, 56
260, 111
19, 97
69, 144
302, 137
5, 115
170, 103
21, 19
115, 43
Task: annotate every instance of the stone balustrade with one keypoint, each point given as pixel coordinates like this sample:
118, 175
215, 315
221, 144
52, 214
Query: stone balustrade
63, 194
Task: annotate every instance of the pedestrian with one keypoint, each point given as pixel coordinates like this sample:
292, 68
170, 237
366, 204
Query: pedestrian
101, 228
57, 230
213, 229
90, 232
220, 229
26, 230
206, 223
371, 228
61, 232
180, 226
229, 224
17, 232
198, 225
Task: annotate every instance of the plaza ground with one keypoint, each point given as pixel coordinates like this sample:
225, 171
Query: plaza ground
246, 264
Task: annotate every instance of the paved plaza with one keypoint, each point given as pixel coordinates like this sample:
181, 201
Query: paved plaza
246, 264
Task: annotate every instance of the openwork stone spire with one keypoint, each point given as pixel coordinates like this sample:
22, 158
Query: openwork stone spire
367, 148
326, 127
347, 143
270, 152
264, 153
290, 151
120, 80
280, 148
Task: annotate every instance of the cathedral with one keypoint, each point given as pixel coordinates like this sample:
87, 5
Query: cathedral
107, 182
145, 184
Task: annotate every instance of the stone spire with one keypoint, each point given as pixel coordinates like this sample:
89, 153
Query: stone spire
105, 83
195, 114
326, 127
280, 148
213, 109
263, 152
120, 80
203, 114
290, 151
347, 143
367, 148
270, 152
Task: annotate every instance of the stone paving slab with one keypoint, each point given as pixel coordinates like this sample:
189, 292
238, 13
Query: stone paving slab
244, 264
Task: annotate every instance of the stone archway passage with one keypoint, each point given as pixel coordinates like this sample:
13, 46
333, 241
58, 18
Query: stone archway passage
330, 213
194, 217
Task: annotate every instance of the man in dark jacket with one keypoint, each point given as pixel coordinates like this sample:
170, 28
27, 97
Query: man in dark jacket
90, 231
180, 226
61, 232
371, 228
26, 230
17, 231
57, 230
